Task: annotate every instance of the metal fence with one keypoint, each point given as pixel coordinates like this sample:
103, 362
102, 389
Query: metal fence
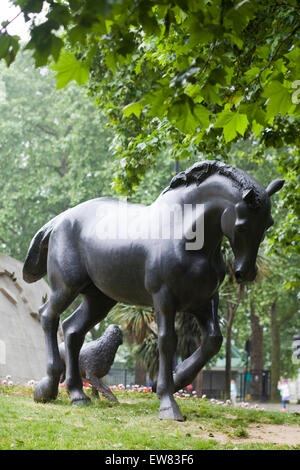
213, 393
119, 375
251, 385
255, 384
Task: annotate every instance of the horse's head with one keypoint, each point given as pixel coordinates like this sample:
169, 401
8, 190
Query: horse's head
245, 226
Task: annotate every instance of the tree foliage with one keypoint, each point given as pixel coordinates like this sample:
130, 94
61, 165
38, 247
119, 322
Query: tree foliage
53, 152
214, 69
193, 76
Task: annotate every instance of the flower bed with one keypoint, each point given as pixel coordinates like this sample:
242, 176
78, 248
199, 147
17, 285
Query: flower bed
184, 394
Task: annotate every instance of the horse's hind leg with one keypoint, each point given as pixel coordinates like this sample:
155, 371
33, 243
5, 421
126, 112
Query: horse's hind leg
59, 300
92, 310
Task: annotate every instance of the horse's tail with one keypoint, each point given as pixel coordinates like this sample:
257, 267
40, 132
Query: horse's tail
35, 265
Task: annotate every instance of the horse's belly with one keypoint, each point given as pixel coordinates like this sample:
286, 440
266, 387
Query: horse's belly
119, 273
128, 296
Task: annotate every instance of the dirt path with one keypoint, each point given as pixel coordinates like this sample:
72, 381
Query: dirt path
275, 434
263, 433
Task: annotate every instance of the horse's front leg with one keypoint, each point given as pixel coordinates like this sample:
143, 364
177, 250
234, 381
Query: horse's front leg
167, 343
211, 341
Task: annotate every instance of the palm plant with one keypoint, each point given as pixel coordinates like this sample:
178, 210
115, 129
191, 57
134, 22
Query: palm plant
140, 328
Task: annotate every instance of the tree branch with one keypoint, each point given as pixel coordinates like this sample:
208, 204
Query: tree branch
48, 131
288, 315
9, 22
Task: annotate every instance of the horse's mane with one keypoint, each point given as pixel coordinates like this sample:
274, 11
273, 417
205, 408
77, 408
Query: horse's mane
202, 170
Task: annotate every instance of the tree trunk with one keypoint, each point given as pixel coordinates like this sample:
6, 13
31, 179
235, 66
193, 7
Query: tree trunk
140, 373
198, 383
228, 351
256, 354
231, 311
275, 353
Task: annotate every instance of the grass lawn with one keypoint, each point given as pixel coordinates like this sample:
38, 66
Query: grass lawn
133, 424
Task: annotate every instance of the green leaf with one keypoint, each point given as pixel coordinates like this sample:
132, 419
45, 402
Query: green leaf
278, 99
232, 124
210, 94
158, 102
4, 44
181, 116
68, 68
59, 13
202, 115
30, 6
148, 23
252, 73
134, 108
254, 112
257, 128
44, 43
9, 46
237, 18
263, 52
111, 61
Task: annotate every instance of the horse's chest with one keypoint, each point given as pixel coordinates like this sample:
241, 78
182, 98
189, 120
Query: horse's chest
197, 280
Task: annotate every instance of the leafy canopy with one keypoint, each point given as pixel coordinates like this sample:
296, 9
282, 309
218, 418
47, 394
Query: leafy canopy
53, 152
226, 66
196, 75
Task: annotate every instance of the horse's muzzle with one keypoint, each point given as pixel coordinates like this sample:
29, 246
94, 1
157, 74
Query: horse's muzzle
243, 276
239, 276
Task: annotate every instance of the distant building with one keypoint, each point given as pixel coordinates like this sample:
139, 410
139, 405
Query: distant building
22, 344
213, 385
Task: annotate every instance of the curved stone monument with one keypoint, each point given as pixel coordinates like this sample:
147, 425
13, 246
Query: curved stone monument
22, 344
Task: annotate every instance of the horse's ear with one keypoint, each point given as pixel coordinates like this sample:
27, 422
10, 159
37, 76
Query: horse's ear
274, 186
249, 196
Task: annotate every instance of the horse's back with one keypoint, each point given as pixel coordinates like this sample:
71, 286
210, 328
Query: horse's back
86, 246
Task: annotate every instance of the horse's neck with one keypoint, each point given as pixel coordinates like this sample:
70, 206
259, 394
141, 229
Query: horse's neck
215, 192
214, 195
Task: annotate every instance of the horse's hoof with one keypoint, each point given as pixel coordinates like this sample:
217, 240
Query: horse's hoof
170, 410
169, 413
81, 402
80, 399
46, 390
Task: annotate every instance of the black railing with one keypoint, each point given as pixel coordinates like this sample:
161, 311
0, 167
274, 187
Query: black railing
255, 385
118, 376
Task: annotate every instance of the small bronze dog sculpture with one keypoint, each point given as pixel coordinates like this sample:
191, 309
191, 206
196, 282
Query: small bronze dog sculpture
96, 359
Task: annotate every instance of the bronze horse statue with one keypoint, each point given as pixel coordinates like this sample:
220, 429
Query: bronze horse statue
83, 251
